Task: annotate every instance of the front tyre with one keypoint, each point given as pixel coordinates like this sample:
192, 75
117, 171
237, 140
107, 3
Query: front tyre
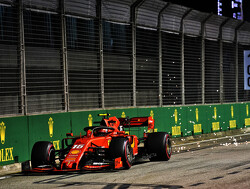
43, 155
120, 147
159, 146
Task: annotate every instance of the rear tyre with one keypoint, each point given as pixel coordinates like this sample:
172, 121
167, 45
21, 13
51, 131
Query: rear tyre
120, 147
43, 155
158, 146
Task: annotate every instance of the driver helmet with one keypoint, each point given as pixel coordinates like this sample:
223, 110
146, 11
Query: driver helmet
120, 128
100, 132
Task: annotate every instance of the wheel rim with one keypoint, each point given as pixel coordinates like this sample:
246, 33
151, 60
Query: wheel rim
168, 147
129, 155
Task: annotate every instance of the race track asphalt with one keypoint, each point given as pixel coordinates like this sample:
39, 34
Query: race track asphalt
221, 161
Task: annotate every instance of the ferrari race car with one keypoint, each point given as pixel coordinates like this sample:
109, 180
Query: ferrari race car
103, 146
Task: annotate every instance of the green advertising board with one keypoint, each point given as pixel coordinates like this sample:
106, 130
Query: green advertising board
49, 127
14, 145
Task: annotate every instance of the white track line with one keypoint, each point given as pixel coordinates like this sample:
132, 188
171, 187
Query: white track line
5, 177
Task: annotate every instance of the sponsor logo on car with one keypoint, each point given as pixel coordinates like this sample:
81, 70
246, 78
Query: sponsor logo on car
75, 152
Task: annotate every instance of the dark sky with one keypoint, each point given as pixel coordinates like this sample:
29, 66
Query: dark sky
210, 6
246, 10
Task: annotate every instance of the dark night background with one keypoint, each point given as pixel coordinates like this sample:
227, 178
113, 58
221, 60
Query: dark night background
212, 7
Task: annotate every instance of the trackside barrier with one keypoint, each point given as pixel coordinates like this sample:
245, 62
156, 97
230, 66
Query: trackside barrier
49, 127
14, 146
18, 134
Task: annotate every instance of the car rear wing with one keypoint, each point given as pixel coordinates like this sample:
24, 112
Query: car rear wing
138, 122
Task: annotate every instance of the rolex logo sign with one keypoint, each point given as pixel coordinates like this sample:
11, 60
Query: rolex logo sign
2, 130
50, 123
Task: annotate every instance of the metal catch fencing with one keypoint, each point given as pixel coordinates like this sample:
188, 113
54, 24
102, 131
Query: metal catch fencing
70, 55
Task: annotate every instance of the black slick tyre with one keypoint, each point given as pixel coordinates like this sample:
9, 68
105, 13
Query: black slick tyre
120, 147
158, 146
43, 154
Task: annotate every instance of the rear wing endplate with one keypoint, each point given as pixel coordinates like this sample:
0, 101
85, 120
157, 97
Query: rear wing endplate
138, 122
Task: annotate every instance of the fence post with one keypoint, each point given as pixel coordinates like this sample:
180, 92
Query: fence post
160, 53
203, 57
134, 55
64, 57
99, 17
133, 13
221, 61
183, 57
237, 59
22, 58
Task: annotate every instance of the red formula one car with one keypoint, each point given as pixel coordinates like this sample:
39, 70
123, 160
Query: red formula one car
103, 146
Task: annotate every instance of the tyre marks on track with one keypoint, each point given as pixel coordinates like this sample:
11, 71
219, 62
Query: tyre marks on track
60, 181
217, 178
221, 177
197, 184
